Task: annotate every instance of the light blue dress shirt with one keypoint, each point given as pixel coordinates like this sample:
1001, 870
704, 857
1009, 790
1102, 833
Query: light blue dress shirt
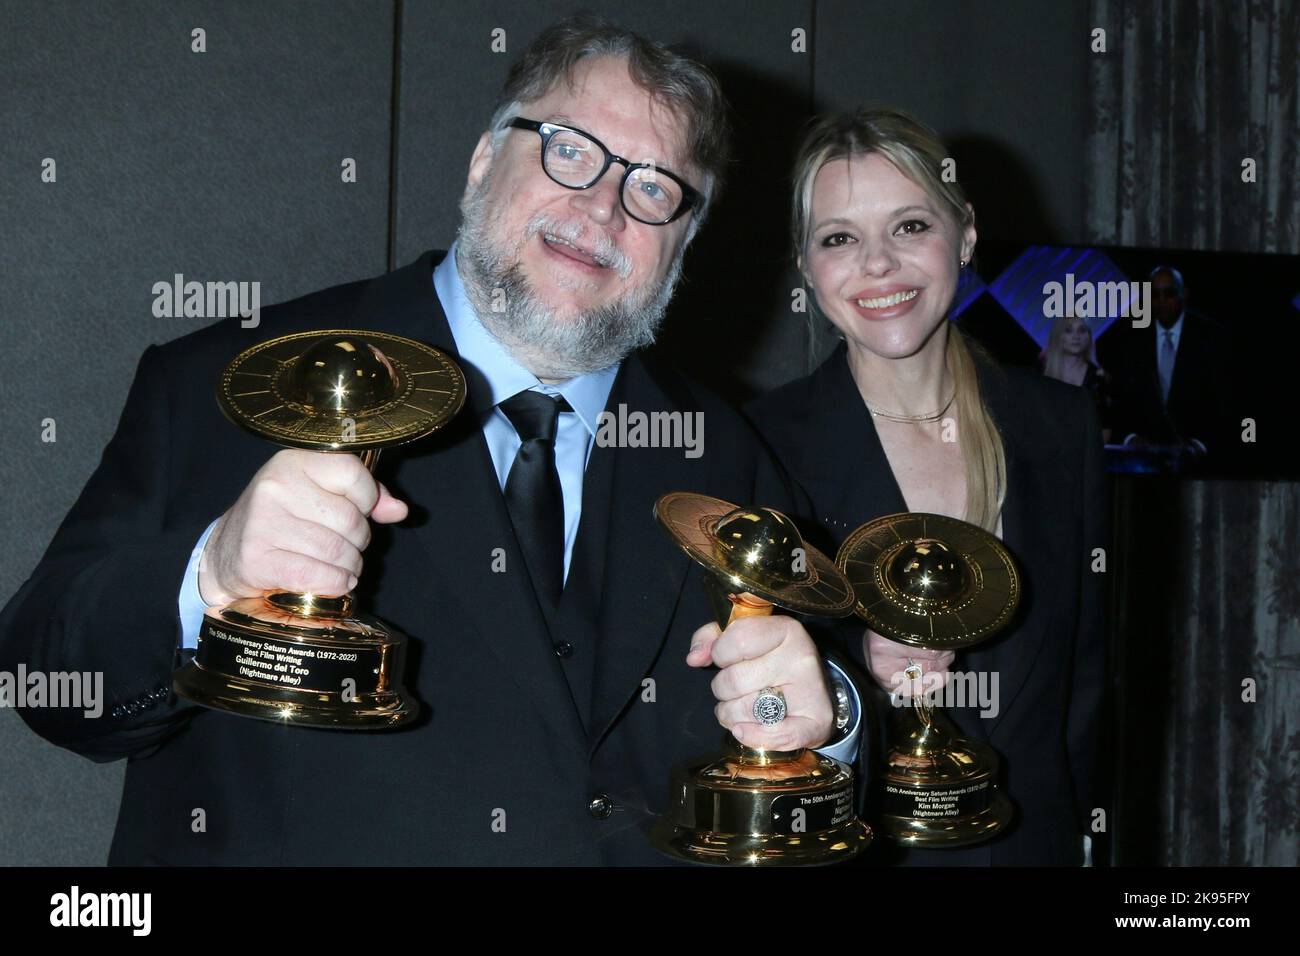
586, 394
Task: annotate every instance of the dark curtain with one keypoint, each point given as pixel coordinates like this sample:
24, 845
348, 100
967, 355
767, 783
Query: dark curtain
1207, 661
1187, 90
1207, 589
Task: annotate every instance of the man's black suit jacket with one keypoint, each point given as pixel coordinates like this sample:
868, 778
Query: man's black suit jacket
1198, 393
1051, 659
514, 742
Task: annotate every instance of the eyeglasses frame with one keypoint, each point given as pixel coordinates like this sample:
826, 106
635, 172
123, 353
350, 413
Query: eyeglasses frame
691, 197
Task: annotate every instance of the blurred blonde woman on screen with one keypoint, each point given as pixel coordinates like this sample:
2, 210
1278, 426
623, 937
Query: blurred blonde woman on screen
1070, 356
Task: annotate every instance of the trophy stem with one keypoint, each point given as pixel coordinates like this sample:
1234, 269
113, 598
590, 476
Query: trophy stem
924, 710
317, 605
311, 605
743, 605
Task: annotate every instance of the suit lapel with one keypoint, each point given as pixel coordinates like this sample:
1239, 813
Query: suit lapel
1034, 483
846, 464
459, 514
646, 570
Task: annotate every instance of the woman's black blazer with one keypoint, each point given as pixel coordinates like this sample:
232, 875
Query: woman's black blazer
1050, 661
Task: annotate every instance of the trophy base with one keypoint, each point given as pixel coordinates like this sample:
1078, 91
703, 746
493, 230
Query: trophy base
257, 660
941, 834
301, 708
744, 849
756, 808
940, 789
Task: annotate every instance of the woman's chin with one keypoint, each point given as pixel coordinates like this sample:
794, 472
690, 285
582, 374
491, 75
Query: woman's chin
889, 347
898, 339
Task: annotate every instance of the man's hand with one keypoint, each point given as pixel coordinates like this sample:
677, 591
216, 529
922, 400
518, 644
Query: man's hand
300, 525
758, 652
888, 660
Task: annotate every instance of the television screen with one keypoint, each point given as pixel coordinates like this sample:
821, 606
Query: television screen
1185, 353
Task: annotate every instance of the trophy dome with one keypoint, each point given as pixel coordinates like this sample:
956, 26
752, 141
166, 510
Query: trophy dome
342, 376
761, 543
928, 580
928, 570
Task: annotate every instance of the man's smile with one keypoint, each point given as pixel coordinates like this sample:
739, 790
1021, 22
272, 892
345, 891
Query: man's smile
572, 252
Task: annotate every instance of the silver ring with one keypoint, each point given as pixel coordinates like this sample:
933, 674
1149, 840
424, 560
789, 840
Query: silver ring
769, 706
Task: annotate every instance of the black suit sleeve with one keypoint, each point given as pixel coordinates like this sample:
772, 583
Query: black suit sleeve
103, 598
1083, 720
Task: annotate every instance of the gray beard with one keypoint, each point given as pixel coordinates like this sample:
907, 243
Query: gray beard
527, 328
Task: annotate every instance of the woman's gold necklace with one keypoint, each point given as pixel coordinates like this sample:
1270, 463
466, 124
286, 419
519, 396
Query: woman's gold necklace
912, 419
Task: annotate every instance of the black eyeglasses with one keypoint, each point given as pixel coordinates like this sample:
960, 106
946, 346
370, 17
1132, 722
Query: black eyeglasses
578, 160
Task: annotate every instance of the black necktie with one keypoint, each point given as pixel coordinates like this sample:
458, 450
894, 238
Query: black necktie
533, 495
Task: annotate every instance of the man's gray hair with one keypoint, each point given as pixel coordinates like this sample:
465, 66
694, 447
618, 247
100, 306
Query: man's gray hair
688, 89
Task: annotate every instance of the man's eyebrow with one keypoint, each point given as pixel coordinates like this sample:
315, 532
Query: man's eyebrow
563, 119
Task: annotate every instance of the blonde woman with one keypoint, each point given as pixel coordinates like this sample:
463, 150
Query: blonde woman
906, 416
1070, 356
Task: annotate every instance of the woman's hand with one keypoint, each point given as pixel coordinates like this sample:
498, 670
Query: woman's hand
889, 660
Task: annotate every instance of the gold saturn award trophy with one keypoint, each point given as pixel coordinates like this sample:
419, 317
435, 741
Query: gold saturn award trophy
311, 659
933, 582
748, 806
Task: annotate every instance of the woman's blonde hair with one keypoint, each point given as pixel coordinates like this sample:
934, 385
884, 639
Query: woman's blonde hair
915, 151
1053, 355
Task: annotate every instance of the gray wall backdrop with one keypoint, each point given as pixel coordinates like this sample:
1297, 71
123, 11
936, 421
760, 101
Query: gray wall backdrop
225, 165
